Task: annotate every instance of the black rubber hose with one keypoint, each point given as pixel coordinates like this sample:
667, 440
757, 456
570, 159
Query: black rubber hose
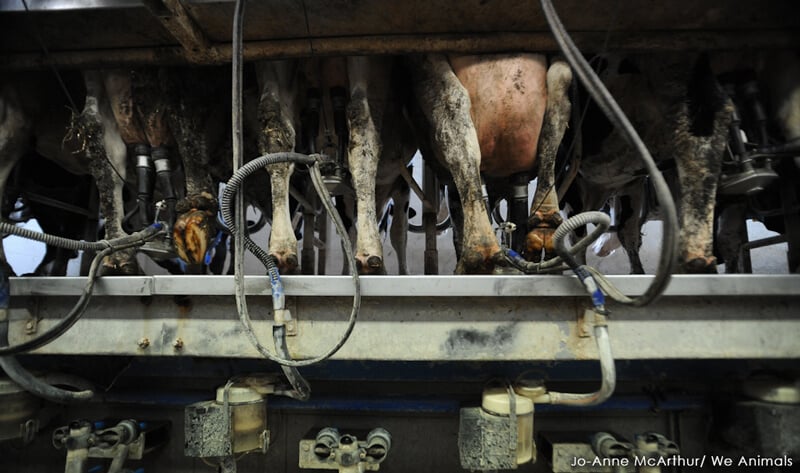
232, 190
302, 390
126, 241
614, 113
80, 307
235, 183
24, 378
27, 381
240, 239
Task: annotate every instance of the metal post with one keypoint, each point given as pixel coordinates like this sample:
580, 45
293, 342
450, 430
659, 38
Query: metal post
430, 207
308, 256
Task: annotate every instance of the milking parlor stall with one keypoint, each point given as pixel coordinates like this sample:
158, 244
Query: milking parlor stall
362, 235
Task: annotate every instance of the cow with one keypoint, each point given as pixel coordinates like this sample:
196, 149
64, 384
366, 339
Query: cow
683, 115
161, 109
374, 131
39, 113
156, 112
497, 114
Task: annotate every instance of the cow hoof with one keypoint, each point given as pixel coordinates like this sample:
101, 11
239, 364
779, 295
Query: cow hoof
287, 263
373, 265
121, 263
539, 243
701, 265
478, 262
192, 235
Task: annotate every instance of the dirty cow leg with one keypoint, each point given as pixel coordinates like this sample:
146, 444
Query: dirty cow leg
699, 150
106, 153
630, 223
544, 216
446, 106
362, 158
190, 112
278, 135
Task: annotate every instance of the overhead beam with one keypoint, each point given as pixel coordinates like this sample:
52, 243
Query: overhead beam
174, 17
587, 41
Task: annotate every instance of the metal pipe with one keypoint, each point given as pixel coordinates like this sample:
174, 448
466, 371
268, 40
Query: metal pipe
119, 458
164, 178
78, 447
227, 465
589, 41
608, 374
429, 217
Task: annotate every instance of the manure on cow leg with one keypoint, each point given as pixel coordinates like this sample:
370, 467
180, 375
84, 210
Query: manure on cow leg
700, 265
121, 263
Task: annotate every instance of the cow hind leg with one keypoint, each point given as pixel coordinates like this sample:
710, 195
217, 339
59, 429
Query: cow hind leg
362, 157
278, 135
189, 118
544, 216
445, 105
630, 224
700, 137
106, 153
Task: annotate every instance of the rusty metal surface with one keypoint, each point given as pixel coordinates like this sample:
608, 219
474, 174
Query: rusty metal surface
80, 34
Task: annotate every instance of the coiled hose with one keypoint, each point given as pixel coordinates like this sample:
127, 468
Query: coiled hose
231, 190
106, 247
240, 172
565, 255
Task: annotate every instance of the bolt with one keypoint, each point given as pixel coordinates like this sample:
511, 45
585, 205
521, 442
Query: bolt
306, 447
144, 343
29, 325
178, 344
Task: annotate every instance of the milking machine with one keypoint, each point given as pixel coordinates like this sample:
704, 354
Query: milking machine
757, 178
498, 434
117, 441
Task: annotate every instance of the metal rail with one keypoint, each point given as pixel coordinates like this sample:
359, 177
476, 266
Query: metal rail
420, 318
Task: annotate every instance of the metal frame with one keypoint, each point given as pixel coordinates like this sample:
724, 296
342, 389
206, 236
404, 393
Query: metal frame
362, 28
419, 318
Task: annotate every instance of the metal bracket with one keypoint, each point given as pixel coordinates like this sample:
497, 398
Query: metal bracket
586, 323
284, 317
27, 430
345, 452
